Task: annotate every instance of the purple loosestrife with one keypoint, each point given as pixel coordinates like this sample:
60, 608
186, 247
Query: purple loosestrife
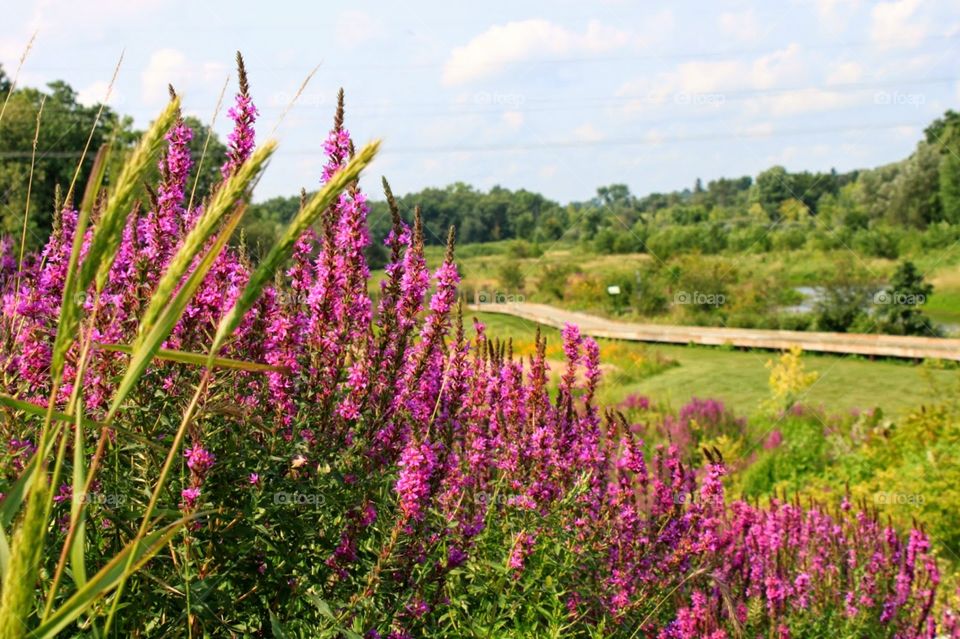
417, 465
161, 227
241, 140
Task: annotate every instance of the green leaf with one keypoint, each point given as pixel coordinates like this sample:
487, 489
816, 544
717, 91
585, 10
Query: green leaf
200, 359
107, 579
40, 411
95, 181
77, 505
4, 554
278, 632
15, 496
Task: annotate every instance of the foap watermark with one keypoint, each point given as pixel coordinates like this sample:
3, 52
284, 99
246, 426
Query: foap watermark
111, 500
891, 498
497, 297
700, 99
895, 98
505, 100
699, 298
297, 499
899, 299
290, 298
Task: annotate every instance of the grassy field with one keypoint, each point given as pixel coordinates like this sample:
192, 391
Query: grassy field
739, 378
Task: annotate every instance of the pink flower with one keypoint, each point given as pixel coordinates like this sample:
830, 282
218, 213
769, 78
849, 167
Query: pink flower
417, 465
199, 459
189, 497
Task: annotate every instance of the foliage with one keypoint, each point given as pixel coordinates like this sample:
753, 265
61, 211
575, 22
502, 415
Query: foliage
65, 126
511, 276
788, 379
897, 307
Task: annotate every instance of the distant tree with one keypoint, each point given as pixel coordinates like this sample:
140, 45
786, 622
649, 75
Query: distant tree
5, 83
729, 191
615, 195
897, 308
794, 210
207, 174
944, 134
939, 128
510, 277
914, 194
64, 128
842, 306
844, 299
770, 189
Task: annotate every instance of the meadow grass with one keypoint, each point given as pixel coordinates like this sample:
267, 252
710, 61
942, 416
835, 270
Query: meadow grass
739, 378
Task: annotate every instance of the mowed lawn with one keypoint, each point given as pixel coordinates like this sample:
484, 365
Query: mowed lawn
740, 378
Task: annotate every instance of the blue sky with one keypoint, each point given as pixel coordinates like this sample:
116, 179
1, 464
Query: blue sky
554, 96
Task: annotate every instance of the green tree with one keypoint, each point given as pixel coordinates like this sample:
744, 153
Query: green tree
64, 128
944, 133
510, 277
771, 188
844, 298
898, 306
915, 192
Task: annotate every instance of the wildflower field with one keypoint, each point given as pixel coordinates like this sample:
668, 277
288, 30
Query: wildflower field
197, 443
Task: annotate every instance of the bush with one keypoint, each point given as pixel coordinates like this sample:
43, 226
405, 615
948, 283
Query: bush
877, 242
553, 282
510, 276
789, 238
749, 239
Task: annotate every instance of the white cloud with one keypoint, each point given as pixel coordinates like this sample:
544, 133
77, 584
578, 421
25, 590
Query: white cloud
757, 130
587, 133
891, 24
502, 45
171, 66
907, 131
741, 26
777, 68
795, 154
845, 73
705, 77
654, 137
811, 100
705, 82
513, 119
96, 93
834, 15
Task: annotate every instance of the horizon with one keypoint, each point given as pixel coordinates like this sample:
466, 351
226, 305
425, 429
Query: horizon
554, 98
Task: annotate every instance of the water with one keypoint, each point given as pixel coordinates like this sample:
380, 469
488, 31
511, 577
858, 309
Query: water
811, 295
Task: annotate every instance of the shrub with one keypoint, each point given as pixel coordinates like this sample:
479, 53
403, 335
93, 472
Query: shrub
510, 276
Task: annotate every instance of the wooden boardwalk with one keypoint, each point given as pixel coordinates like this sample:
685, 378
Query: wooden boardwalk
846, 343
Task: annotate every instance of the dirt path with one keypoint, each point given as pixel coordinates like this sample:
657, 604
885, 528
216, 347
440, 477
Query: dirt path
848, 343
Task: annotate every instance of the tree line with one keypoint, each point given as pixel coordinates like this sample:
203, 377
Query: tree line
769, 211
